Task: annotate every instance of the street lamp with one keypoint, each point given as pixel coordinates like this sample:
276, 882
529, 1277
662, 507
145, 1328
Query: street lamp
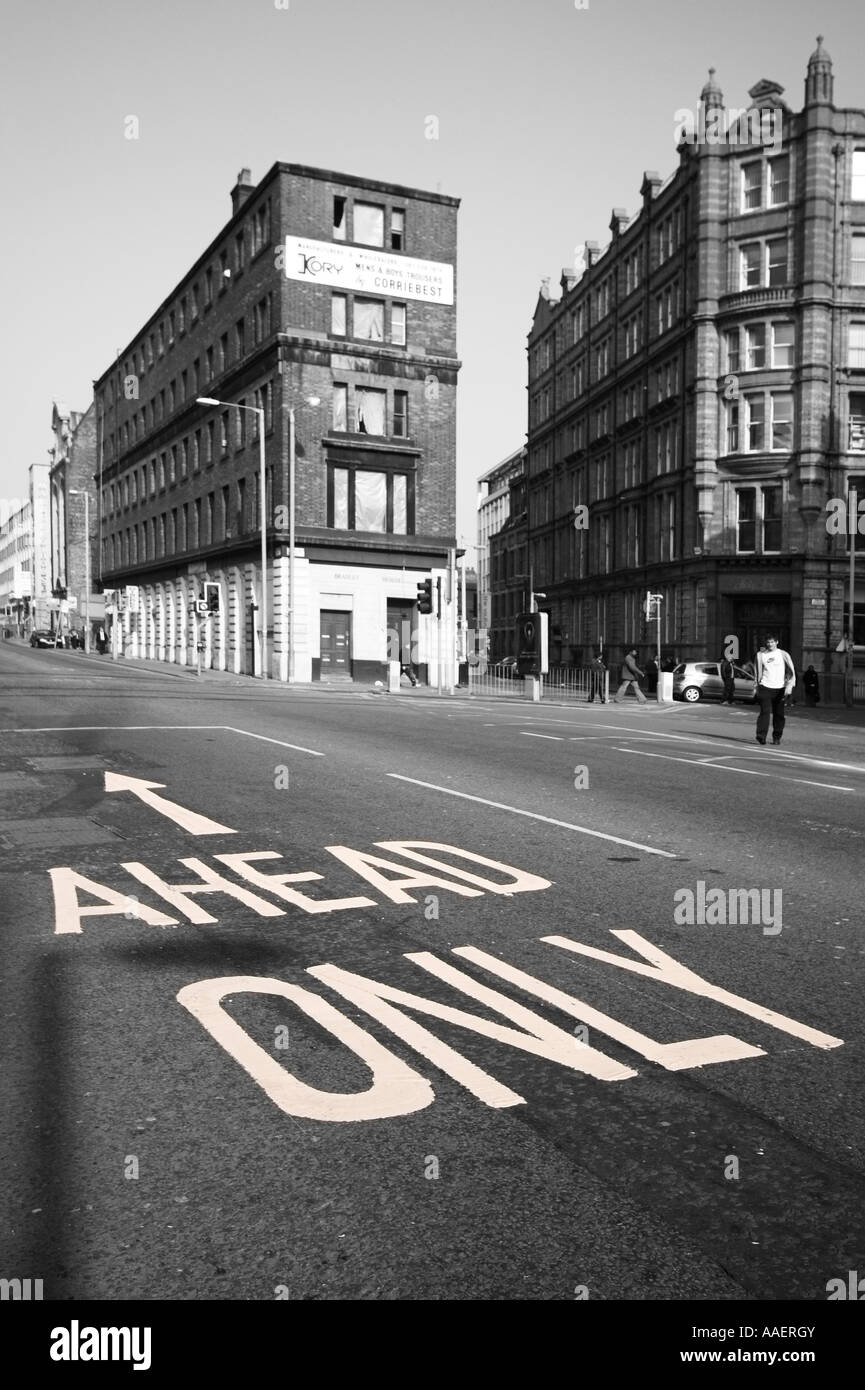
308, 400
262, 489
79, 492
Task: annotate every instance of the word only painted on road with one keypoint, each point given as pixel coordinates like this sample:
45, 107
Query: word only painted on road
398, 1089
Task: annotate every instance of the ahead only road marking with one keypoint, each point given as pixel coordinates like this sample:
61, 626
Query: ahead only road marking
534, 815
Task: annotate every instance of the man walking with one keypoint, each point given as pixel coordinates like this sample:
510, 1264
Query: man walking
728, 677
631, 674
776, 677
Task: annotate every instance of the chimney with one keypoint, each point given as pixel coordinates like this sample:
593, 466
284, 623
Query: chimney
241, 190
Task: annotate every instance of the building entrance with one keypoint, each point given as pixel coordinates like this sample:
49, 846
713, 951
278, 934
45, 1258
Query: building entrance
335, 644
754, 618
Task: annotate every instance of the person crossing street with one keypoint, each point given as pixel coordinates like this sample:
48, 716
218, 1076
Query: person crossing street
776, 677
631, 675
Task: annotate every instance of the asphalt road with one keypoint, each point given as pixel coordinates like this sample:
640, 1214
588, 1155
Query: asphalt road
580, 1128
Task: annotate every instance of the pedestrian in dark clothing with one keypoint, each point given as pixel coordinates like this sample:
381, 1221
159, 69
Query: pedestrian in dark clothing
652, 676
811, 682
630, 676
597, 671
728, 676
776, 677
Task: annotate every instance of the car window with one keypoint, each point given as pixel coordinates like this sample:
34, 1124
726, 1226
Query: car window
742, 675
710, 668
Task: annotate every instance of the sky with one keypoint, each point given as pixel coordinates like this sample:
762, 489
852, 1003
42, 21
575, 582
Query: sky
548, 112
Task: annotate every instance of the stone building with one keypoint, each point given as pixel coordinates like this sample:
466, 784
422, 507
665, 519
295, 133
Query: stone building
697, 393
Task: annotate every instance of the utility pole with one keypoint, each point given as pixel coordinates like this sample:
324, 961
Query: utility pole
853, 529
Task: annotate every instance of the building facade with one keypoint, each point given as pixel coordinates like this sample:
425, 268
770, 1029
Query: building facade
330, 300
493, 505
697, 394
74, 517
25, 555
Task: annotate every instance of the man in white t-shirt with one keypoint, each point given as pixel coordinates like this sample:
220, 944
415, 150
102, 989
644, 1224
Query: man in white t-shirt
776, 677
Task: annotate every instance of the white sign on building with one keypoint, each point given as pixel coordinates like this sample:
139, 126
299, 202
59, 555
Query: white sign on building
368, 270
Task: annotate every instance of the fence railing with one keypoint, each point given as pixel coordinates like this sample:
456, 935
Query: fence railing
560, 682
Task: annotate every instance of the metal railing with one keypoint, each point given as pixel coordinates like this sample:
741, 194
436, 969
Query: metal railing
560, 682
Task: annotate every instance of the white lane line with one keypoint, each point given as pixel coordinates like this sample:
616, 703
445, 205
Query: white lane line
745, 771
554, 738
278, 741
137, 728
533, 815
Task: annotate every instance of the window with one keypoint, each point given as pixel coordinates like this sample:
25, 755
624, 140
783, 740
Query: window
369, 224
752, 185
209, 438
196, 451
339, 411
224, 272
771, 519
777, 257
262, 319
733, 427
338, 314
172, 465
208, 359
208, 288
160, 341
240, 339
361, 499
196, 376
162, 472
755, 339
240, 427
751, 256
731, 339
782, 420
223, 433
181, 316
172, 397
779, 180
171, 323
397, 325
194, 311
856, 346
225, 513
857, 182
223, 352
397, 230
400, 414
857, 259
339, 219
746, 524
239, 253
184, 458
153, 477
369, 319
756, 412
370, 408
261, 228
856, 424
783, 344
240, 524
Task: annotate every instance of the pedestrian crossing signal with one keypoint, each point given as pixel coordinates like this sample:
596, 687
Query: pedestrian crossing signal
424, 597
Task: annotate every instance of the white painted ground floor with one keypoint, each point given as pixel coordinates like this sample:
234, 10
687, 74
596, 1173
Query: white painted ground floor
350, 621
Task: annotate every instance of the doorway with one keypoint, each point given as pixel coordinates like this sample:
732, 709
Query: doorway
753, 618
335, 645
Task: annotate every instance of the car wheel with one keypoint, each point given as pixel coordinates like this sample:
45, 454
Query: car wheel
692, 694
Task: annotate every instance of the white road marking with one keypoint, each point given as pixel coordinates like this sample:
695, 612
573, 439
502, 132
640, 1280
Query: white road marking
534, 815
191, 821
278, 741
745, 771
554, 738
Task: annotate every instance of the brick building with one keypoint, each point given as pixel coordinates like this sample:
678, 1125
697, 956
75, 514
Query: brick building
699, 388
334, 297
71, 476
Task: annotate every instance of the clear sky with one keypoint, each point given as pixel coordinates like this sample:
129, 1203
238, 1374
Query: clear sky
548, 115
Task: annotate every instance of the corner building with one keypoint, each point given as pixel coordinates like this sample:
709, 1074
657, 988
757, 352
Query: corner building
333, 297
700, 388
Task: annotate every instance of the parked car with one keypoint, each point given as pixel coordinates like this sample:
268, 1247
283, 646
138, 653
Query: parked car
508, 668
41, 637
701, 680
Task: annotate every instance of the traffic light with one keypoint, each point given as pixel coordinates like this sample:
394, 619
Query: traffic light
424, 597
211, 597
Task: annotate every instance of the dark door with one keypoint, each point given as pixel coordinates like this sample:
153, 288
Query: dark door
754, 618
335, 644
400, 613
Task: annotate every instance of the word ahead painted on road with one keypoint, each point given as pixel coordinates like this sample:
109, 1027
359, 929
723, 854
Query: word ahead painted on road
397, 1089
389, 877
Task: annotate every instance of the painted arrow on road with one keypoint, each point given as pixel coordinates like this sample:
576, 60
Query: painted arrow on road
146, 792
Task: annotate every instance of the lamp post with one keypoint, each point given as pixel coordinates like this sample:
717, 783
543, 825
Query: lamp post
262, 489
292, 457
79, 492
